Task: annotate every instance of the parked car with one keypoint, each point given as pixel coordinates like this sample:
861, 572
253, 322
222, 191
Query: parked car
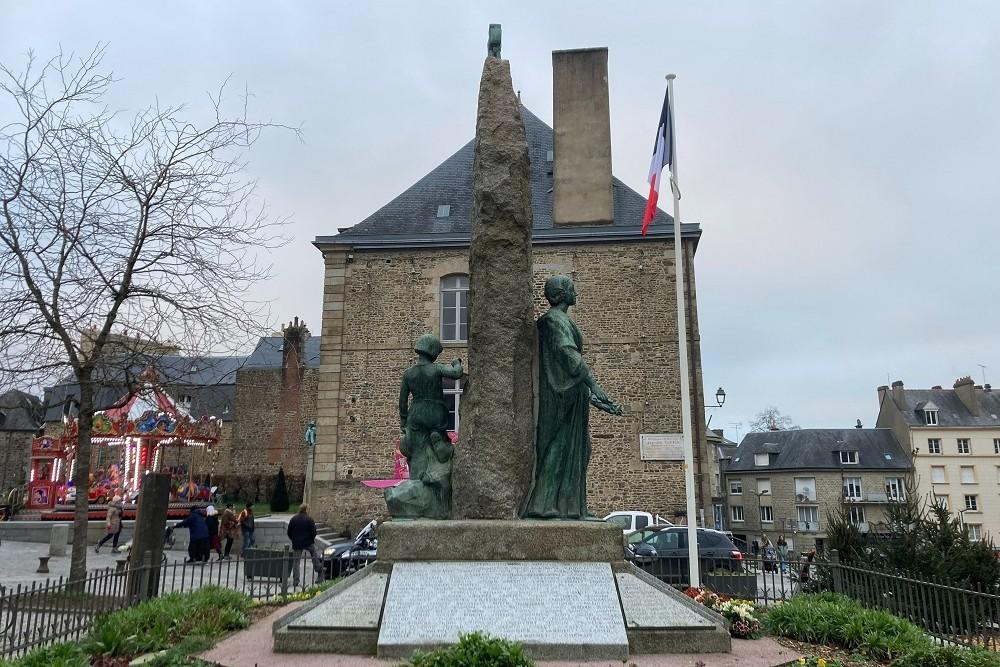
346, 557
633, 521
663, 551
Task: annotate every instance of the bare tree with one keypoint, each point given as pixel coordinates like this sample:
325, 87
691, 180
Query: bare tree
771, 419
140, 226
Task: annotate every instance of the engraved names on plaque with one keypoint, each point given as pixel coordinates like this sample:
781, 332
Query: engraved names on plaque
647, 607
359, 606
532, 602
661, 446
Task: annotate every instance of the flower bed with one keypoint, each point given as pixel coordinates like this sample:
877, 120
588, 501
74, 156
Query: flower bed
741, 614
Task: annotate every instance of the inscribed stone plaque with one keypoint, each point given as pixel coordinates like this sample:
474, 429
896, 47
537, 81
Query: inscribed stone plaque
358, 606
661, 446
543, 605
647, 607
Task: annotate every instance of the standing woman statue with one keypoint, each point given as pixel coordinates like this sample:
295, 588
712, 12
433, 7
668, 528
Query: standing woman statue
566, 390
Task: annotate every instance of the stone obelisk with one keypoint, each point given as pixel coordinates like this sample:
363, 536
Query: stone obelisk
495, 456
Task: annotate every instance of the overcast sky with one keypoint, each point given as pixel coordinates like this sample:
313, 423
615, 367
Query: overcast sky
841, 157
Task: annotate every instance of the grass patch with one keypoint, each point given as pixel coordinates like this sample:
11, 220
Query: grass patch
474, 650
262, 509
834, 620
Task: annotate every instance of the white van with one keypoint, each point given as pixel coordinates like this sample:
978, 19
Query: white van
633, 521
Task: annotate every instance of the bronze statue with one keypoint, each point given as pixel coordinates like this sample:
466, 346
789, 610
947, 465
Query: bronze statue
566, 390
424, 438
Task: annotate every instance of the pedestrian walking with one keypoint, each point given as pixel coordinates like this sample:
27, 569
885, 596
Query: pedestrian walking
228, 529
212, 522
113, 525
783, 553
198, 543
302, 533
246, 521
804, 573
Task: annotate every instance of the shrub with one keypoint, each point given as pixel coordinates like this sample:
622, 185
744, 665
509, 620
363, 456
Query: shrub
474, 650
947, 656
279, 498
165, 622
839, 621
56, 655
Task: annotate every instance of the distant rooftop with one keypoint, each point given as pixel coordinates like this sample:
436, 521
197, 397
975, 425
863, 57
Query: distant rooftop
819, 449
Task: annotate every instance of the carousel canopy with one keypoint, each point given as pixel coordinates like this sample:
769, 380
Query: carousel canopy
147, 398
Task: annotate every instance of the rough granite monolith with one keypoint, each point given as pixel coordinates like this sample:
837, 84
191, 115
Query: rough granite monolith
495, 455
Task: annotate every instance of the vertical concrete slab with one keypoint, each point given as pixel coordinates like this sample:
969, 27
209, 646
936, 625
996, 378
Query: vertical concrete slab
581, 115
58, 538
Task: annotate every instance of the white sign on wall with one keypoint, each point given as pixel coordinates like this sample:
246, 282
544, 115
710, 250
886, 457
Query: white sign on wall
661, 446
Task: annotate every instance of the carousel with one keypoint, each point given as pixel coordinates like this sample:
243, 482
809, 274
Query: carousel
145, 431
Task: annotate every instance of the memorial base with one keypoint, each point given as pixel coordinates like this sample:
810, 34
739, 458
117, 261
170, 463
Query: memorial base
560, 603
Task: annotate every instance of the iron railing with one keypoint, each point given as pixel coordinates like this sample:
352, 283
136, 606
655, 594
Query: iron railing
40, 613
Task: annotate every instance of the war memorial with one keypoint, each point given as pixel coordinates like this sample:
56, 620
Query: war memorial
494, 535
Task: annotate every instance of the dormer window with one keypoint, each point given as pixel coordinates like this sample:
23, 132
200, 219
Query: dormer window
761, 459
849, 458
930, 417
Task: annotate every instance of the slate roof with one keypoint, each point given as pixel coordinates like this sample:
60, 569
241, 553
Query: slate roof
414, 212
213, 400
951, 409
267, 354
18, 411
818, 449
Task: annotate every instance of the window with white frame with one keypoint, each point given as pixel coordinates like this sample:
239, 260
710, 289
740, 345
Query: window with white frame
941, 501
805, 489
736, 512
895, 489
852, 488
972, 503
968, 475
937, 475
930, 417
975, 531
766, 514
996, 445
736, 487
808, 518
933, 445
764, 486
856, 514
849, 458
453, 399
455, 308
761, 459
963, 446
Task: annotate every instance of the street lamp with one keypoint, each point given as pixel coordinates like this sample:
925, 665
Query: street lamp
720, 398
961, 518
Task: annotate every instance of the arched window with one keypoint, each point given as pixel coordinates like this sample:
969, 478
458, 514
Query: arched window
455, 308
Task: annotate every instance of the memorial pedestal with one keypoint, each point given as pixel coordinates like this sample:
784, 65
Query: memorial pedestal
560, 588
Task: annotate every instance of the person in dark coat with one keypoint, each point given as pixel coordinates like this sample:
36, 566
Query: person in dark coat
198, 545
212, 521
302, 533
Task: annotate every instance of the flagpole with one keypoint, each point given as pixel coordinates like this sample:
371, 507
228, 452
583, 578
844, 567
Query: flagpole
687, 431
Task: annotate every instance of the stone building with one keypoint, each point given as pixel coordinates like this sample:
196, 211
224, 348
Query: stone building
789, 482
20, 418
954, 437
403, 272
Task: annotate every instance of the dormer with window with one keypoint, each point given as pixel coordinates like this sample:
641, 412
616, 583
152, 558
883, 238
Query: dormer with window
761, 459
930, 413
849, 457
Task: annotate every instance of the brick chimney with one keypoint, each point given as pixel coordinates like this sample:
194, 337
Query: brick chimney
897, 394
293, 346
965, 388
581, 116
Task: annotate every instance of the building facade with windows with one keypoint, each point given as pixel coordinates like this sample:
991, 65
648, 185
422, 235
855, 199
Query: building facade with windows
954, 437
789, 482
403, 272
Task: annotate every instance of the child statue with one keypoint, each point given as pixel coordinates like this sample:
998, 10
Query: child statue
424, 440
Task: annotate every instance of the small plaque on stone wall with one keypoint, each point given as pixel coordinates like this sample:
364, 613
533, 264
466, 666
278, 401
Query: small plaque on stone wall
661, 446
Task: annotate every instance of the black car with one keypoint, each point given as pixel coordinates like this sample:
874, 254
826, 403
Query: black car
344, 558
663, 551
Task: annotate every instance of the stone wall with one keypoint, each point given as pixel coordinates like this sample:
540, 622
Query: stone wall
15, 453
378, 303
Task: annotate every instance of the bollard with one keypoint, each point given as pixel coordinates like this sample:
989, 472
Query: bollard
43, 565
58, 538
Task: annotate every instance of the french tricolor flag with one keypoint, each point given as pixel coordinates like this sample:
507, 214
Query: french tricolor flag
663, 156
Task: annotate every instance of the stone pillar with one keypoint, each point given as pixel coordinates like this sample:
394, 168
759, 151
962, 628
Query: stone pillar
495, 455
58, 539
581, 123
150, 524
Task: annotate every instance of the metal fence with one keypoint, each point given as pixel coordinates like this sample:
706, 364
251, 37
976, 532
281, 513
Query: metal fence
951, 614
40, 613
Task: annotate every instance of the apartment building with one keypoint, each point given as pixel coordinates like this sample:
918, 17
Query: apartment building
789, 482
954, 437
